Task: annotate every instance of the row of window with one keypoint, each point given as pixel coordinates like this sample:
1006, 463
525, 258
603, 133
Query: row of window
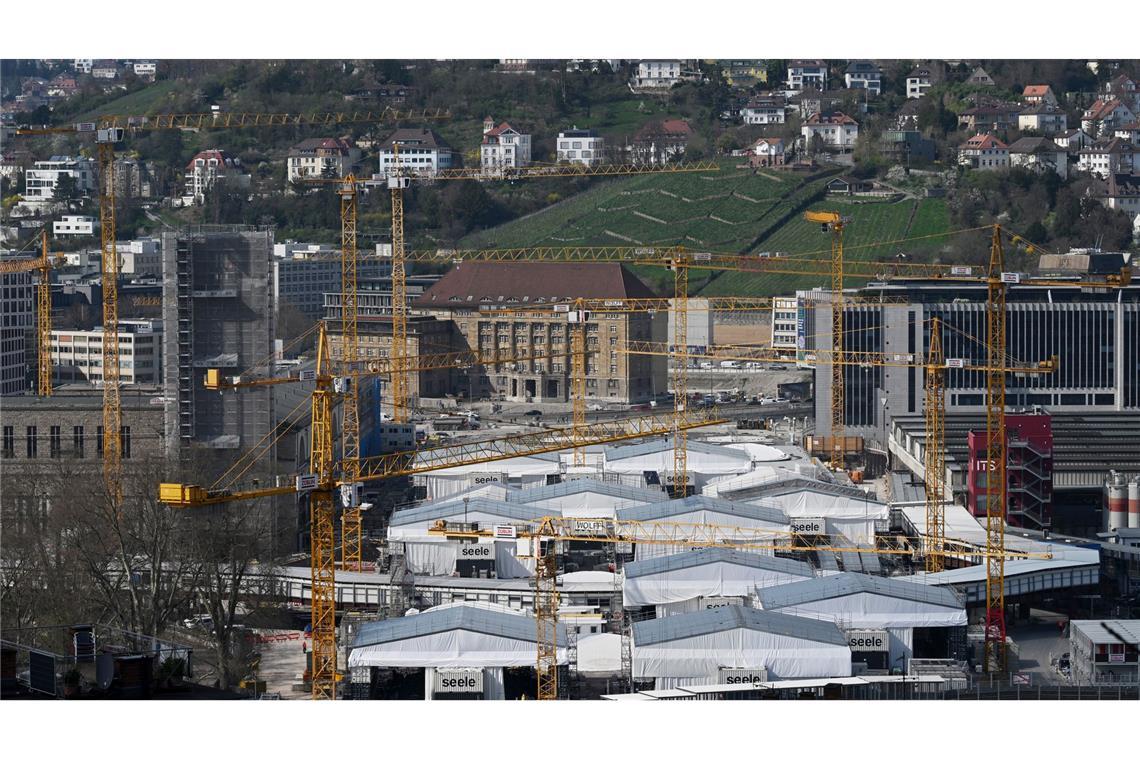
55, 448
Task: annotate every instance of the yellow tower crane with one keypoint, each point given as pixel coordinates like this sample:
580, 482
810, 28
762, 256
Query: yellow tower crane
834, 223
43, 266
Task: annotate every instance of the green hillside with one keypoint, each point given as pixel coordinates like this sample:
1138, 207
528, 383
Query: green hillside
870, 235
720, 211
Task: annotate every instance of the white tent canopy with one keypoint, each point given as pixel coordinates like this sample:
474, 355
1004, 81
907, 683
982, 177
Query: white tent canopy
705, 461
461, 635
711, 572
703, 510
588, 498
692, 648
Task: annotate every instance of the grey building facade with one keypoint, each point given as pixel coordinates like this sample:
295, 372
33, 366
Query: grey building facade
1094, 335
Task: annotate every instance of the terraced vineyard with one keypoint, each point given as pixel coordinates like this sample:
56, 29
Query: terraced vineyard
875, 232
723, 211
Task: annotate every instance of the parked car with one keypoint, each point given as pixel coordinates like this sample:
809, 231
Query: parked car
533, 413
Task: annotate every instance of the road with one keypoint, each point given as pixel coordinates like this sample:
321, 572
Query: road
1039, 641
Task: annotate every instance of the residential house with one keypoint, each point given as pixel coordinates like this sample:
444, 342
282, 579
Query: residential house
209, 167
417, 151
864, 75
1124, 88
74, 225
145, 69
906, 118
744, 73
1043, 118
811, 102
1124, 194
984, 152
62, 85
905, 145
503, 146
919, 81
1129, 132
1103, 117
807, 75
1034, 94
848, 185
766, 151
1072, 140
996, 117
660, 74
321, 157
765, 109
105, 70
658, 141
580, 146
835, 130
83, 65
1039, 154
40, 181
1107, 157
981, 77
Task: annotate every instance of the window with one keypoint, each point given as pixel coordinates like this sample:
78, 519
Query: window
99, 441
125, 441
9, 442
32, 441
53, 441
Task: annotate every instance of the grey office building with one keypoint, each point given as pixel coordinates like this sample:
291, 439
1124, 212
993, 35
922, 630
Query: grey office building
218, 313
1095, 334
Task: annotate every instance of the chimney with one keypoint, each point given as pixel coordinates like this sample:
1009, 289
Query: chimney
488, 124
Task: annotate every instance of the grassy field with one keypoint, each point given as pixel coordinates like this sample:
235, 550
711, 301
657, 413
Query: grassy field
721, 211
147, 100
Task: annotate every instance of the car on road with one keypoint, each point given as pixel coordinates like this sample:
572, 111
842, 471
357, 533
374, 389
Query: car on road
595, 407
533, 413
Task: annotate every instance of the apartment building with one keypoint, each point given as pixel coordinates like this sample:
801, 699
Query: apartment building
303, 273
208, 167
74, 225
804, 75
77, 355
503, 146
581, 146
784, 322
41, 180
420, 151
17, 331
322, 157
835, 130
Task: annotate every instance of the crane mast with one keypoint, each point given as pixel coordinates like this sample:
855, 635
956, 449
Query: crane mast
112, 408
995, 649
934, 460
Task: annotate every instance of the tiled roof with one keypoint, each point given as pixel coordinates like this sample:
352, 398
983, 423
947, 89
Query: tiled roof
806, 64
983, 142
1102, 108
1123, 185
220, 155
1035, 90
313, 144
467, 284
834, 117
420, 138
1115, 145
504, 127
1034, 145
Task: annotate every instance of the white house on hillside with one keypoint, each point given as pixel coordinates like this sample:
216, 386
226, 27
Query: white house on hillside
1043, 118
1039, 154
807, 75
580, 146
503, 146
74, 225
864, 75
660, 74
1107, 157
40, 181
419, 151
985, 153
322, 157
918, 81
836, 130
208, 167
767, 151
1104, 116
765, 109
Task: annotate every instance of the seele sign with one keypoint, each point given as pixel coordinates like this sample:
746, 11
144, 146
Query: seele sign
470, 552
485, 478
742, 675
459, 681
812, 526
712, 602
868, 640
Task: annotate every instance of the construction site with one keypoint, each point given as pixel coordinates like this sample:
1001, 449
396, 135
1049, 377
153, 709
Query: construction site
534, 475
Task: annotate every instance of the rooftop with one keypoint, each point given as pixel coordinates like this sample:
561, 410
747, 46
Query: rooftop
466, 617
705, 622
472, 282
846, 584
707, 556
415, 138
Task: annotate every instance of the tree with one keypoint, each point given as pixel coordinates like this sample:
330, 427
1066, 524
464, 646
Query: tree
65, 188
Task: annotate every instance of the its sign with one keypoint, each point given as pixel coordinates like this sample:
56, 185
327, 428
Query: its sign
1011, 278
811, 526
742, 675
459, 681
961, 271
506, 531
955, 363
865, 640
713, 602
470, 552
307, 375
306, 482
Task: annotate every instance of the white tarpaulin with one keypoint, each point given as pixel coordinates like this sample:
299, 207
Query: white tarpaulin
761, 452
699, 644
703, 510
705, 573
461, 635
599, 654
854, 600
